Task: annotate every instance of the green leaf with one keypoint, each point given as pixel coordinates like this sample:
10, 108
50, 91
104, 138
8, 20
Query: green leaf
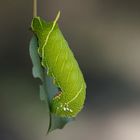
51, 88
37, 69
47, 89
57, 122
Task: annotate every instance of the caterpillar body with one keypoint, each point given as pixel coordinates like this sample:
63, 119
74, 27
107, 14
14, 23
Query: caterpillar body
62, 66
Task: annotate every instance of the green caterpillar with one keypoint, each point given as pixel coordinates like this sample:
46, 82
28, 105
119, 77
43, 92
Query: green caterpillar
62, 66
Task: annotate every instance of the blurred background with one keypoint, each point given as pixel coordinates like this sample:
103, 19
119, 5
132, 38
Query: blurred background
105, 38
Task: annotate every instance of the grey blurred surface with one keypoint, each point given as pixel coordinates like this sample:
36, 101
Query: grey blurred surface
105, 38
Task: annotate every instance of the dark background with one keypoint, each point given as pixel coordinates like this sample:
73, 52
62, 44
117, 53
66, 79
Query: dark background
105, 38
